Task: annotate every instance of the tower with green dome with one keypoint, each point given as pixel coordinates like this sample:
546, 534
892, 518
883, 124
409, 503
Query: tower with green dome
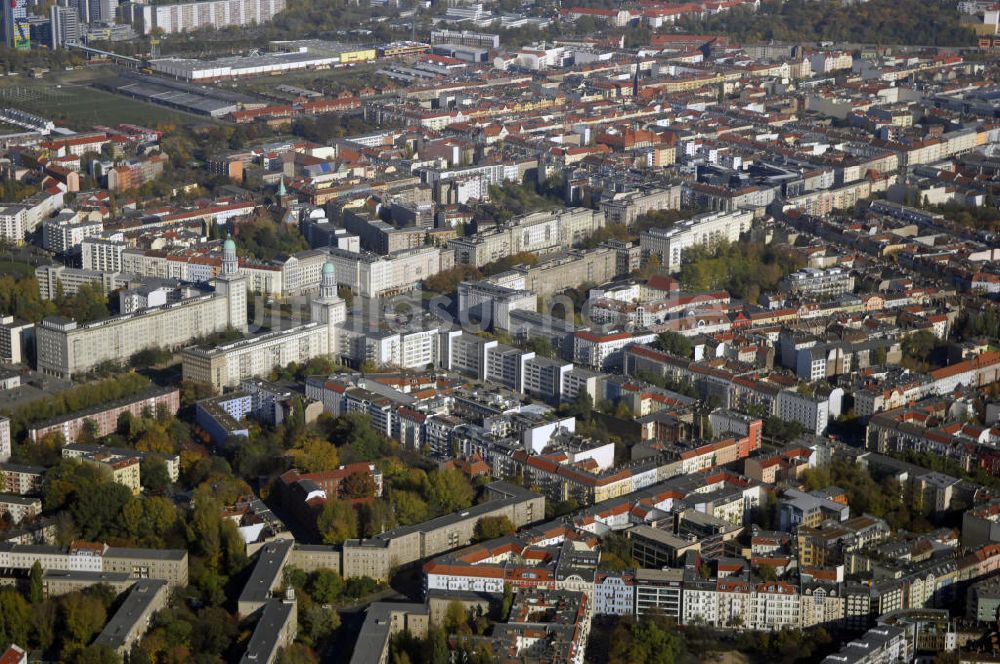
329, 308
233, 286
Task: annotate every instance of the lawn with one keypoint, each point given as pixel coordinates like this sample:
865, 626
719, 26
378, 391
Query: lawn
16, 269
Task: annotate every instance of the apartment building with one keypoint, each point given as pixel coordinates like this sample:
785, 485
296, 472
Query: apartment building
67, 348
626, 207
105, 416
19, 479
5, 448
216, 14
812, 410
102, 255
65, 231
134, 617
13, 223
669, 245
489, 303
372, 275
376, 556
19, 508
818, 282
538, 232
604, 352
226, 365
170, 565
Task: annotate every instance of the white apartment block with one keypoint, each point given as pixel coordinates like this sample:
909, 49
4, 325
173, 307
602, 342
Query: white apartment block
14, 335
602, 352
53, 277
405, 350
216, 14
66, 348
228, 365
225, 366
626, 207
67, 230
815, 281
538, 232
5, 449
466, 353
371, 275
705, 230
578, 380
262, 278
505, 366
12, 223
492, 303
101, 254
812, 412
19, 508
544, 377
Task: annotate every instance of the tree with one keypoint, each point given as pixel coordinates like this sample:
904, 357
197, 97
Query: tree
318, 624
456, 620
15, 617
541, 346
507, 602
449, 490
767, 572
645, 640
439, 647
89, 431
354, 430
317, 455
582, 406
44, 617
155, 475
97, 654
97, 509
672, 342
37, 593
206, 525
83, 616
492, 527
325, 586
297, 654
409, 507
358, 485
89, 303
337, 521
375, 517
214, 631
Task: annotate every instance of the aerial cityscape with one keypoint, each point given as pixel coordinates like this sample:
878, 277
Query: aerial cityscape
496, 332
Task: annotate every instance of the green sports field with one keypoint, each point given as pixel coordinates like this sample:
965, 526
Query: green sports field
75, 104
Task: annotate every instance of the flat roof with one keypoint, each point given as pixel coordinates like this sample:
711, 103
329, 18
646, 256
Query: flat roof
511, 494
145, 554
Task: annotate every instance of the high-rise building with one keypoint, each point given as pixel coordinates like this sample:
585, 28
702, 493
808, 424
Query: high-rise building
4, 440
64, 24
66, 348
226, 365
185, 16
15, 25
